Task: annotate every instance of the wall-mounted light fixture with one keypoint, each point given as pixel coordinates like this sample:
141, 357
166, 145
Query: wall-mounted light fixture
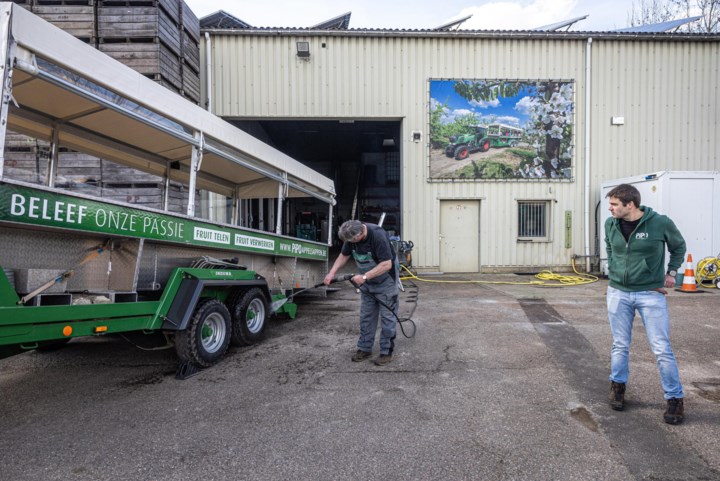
303, 49
416, 136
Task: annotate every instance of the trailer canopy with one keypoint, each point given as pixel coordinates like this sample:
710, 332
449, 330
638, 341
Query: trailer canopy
66, 92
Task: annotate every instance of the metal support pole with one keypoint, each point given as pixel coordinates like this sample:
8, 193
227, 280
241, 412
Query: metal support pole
54, 156
261, 215
588, 98
166, 197
6, 61
235, 206
282, 192
330, 226
195, 164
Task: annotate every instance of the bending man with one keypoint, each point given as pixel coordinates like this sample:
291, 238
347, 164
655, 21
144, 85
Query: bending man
369, 246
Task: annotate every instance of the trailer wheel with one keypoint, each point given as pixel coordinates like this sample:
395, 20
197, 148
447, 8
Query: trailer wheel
249, 314
462, 152
207, 336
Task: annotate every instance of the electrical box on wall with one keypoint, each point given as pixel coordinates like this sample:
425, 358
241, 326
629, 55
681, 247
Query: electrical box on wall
690, 199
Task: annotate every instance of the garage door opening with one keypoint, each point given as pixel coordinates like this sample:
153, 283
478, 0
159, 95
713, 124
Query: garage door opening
361, 157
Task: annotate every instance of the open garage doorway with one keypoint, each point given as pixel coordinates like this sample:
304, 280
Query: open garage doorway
362, 157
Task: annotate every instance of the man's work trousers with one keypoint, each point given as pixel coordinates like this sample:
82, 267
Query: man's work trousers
370, 310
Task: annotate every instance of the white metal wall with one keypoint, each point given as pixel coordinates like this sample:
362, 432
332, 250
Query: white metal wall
666, 90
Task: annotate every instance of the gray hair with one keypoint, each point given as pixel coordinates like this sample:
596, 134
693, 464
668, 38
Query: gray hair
349, 230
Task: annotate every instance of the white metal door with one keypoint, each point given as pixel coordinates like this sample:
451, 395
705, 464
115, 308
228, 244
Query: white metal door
459, 235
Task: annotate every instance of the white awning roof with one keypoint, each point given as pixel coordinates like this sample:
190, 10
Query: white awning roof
105, 108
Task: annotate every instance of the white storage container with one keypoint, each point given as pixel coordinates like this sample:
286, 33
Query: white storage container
690, 199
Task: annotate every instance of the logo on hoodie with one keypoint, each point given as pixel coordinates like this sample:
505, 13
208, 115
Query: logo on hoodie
641, 235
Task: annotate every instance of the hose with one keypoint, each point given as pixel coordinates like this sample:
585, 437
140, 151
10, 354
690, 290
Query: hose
546, 279
708, 271
363, 288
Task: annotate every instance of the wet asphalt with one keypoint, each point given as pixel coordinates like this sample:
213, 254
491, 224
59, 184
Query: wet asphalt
500, 382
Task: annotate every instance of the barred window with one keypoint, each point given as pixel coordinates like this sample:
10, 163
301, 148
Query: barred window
533, 220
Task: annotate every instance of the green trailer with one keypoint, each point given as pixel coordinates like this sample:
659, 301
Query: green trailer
75, 265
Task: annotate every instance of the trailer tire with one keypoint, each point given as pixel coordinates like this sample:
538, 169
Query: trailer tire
207, 336
249, 316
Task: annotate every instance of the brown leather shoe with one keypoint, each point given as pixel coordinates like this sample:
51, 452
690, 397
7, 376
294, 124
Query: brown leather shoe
617, 396
675, 412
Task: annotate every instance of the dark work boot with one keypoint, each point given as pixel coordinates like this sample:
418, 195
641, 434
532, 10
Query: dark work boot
360, 355
617, 396
674, 413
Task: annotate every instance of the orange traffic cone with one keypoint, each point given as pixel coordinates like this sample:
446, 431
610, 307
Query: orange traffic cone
688, 284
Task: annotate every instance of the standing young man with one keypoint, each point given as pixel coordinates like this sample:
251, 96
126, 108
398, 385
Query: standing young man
635, 237
369, 245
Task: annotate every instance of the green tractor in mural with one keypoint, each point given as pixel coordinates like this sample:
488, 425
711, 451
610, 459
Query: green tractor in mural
481, 138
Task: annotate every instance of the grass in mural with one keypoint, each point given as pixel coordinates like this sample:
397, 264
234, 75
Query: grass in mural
502, 165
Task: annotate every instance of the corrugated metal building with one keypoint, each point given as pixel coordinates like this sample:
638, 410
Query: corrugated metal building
641, 103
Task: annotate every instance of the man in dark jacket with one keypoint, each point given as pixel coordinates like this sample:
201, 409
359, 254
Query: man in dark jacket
635, 237
369, 245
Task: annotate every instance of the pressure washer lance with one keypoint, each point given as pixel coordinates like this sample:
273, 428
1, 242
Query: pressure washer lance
363, 288
274, 306
348, 277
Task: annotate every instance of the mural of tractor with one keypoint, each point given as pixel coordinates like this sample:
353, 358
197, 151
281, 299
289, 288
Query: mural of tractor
481, 139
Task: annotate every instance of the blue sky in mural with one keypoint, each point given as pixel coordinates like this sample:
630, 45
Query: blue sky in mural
506, 110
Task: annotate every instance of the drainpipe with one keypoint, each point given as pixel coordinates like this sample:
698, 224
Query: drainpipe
588, 74
208, 72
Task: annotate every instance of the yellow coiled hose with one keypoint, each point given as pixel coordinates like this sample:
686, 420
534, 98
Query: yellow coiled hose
546, 279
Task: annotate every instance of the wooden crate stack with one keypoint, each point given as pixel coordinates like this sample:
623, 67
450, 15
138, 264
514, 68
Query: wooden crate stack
143, 37
190, 55
25, 158
76, 17
158, 38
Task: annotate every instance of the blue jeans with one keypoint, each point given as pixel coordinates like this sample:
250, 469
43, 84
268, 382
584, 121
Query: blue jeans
653, 310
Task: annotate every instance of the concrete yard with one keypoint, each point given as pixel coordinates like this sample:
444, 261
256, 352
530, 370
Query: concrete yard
501, 382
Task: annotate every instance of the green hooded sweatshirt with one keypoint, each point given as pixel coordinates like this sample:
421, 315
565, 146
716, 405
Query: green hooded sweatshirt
638, 264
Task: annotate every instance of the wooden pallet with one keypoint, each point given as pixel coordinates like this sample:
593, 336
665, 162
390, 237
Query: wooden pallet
190, 22
152, 59
126, 175
76, 3
128, 23
190, 84
171, 7
76, 20
190, 51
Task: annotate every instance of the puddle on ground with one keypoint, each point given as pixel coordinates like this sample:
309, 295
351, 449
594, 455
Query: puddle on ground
709, 390
583, 415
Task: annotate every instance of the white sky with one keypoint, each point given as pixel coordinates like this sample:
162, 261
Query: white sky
424, 14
